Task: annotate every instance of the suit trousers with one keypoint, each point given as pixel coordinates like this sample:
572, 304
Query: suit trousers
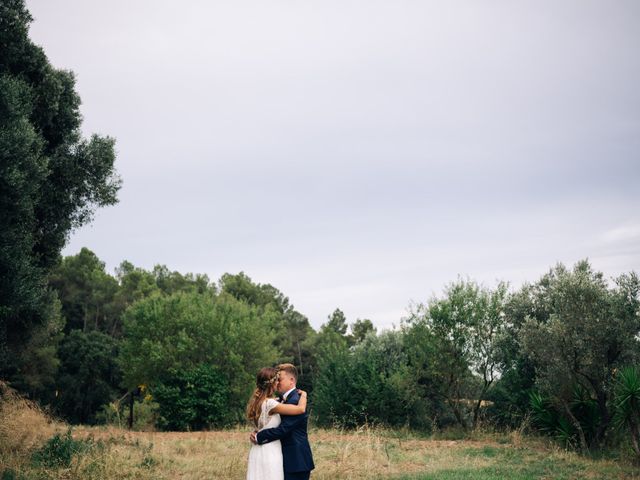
297, 476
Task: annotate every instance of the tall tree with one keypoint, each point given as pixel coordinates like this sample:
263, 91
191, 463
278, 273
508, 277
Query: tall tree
465, 328
87, 293
292, 327
88, 376
592, 330
361, 328
51, 179
165, 335
337, 322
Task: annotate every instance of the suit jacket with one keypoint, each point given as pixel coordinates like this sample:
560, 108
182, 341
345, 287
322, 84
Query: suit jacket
292, 433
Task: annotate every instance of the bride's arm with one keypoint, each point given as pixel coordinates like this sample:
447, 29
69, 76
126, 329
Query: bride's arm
289, 409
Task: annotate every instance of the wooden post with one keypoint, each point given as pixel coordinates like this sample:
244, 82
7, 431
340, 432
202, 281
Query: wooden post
130, 410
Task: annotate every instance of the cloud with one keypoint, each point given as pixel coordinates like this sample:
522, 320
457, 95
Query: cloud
622, 234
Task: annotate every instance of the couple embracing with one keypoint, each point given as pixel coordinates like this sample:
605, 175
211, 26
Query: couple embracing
280, 448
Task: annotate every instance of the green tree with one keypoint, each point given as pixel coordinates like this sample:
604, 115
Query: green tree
337, 322
290, 326
331, 375
51, 179
465, 328
171, 282
590, 332
88, 376
194, 399
369, 383
38, 358
512, 392
87, 293
627, 404
361, 328
135, 284
168, 334
431, 373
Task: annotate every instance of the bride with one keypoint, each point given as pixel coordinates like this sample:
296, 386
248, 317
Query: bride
265, 461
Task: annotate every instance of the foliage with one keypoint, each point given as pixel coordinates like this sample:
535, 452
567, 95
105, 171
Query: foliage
368, 384
590, 331
194, 399
51, 180
425, 370
462, 332
360, 329
116, 413
38, 360
171, 282
88, 375
547, 418
177, 333
290, 327
337, 322
59, 450
510, 394
627, 404
86, 293
135, 283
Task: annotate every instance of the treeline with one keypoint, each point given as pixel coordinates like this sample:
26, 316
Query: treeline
560, 351
164, 330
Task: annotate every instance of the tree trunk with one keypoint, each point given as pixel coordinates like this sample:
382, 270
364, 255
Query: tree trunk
605, 418
300, 358
455, 406
476, 409
584, 448
635, 436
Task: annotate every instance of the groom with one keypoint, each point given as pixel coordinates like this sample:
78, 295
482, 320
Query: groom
292, 432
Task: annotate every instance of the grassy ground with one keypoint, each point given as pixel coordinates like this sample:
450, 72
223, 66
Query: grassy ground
27, 452
365, 454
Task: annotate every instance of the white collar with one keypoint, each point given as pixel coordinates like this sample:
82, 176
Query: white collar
286, 394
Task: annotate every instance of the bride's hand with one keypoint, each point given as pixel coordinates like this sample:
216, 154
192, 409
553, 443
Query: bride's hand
302, 392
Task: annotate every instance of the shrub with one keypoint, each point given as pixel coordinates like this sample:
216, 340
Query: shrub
194, 399
59, 450
627, 404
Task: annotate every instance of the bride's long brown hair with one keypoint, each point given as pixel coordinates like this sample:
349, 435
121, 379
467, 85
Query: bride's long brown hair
266, 381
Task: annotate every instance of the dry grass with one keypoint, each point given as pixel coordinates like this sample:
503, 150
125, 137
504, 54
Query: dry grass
363, 454
23, 424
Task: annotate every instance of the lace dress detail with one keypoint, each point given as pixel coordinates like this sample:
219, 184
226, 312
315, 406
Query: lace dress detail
265, 461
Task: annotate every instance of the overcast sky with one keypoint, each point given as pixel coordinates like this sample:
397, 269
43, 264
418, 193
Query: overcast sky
360, 154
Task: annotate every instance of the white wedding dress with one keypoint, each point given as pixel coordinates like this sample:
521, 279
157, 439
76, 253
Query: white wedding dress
265, 461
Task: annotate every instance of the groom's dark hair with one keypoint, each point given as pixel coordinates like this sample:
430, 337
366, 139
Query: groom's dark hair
289, 368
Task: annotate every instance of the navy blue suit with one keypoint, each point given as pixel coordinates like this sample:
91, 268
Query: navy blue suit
292, 433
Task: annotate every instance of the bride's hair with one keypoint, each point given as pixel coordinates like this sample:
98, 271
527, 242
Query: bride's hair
266, 381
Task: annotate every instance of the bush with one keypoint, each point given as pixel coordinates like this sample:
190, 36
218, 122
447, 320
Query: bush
88, 375
195, 399
367, 384
627, 404
164, 337
58, 451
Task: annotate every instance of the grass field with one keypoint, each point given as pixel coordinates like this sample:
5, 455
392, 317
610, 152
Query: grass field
364, 454
28, 452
